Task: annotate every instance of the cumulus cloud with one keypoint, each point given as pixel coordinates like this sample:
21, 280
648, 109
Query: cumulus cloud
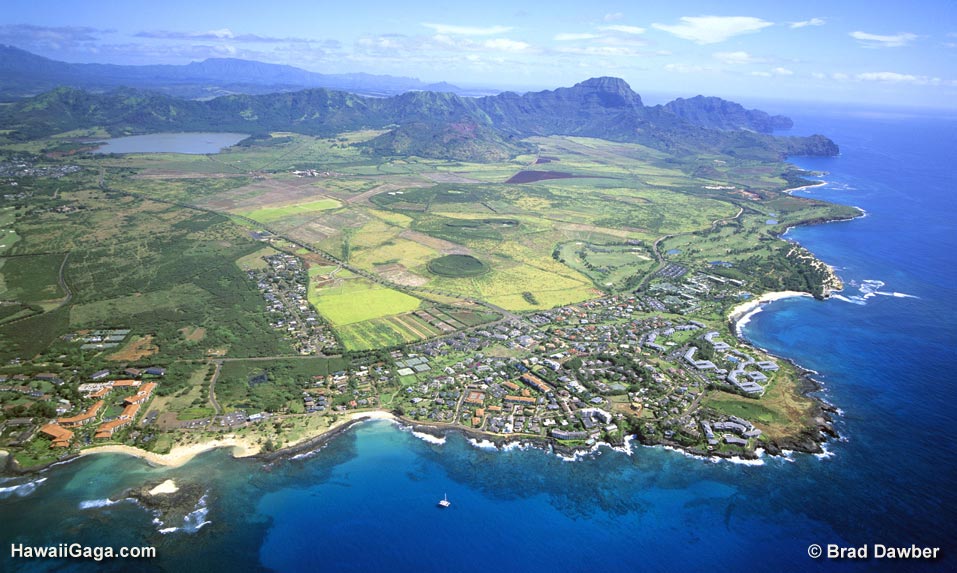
879, 41
622, 28
811, 22
713, 29
467, 30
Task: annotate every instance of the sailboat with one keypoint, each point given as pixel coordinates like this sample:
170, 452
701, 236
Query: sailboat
444, 502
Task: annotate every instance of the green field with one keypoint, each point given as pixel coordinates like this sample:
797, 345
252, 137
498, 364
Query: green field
272, 214
31, 278
357, 300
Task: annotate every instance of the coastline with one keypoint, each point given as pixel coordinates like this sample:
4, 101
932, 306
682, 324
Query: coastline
806, 441
742, 313
821, 183
242, 447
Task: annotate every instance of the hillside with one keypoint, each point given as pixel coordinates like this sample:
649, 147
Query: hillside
428, 124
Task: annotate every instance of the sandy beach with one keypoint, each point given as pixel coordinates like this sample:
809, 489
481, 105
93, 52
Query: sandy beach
242, 447
740, 314
803, 187
168, 486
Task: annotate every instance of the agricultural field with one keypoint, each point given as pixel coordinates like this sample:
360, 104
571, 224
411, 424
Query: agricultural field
533, 232
271, 214
356, 299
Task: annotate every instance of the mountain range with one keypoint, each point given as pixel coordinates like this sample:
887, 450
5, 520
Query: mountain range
25, 74
427, 123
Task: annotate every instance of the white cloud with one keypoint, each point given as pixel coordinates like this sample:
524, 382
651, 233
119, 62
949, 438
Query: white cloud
897, 78
736, 58
565, 37
623, 29
506, 45
686, 68
713, 29
762, 74
811, 22
601, 51
839, 76
466, 30
613, 17
782, 72
879, 41
818, 75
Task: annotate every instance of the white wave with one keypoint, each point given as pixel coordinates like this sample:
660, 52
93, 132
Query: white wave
744, 320
748, 462
21, 490
896, 294
192, 522
712, 459
825, 453
851, 299
510, 446
306, 455
483, 444
426, 437
196, 519
580, 454
95, 503
869, 288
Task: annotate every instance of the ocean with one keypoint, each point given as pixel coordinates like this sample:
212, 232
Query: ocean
883, 351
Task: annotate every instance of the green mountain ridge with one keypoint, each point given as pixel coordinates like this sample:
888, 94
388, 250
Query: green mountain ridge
428, 124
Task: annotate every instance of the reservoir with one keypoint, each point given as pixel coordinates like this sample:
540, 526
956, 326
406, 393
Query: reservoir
193, 143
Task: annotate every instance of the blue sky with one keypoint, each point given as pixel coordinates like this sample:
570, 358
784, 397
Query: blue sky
867, 52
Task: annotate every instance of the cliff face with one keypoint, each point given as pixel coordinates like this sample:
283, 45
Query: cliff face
717, 113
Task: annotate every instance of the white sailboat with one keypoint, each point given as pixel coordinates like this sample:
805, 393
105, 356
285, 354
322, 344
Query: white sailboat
444, 502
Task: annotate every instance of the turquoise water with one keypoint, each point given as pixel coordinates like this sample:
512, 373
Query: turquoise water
191, 143
367, 500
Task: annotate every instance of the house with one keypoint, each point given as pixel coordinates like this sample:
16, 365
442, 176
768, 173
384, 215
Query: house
61, 436
155, 371
81, 419
142, 395
526, 400
107, 429
100, 374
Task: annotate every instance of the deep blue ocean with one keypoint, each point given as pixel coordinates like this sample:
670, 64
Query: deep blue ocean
367, 500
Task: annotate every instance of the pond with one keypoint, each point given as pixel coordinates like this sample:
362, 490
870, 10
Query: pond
193, 143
